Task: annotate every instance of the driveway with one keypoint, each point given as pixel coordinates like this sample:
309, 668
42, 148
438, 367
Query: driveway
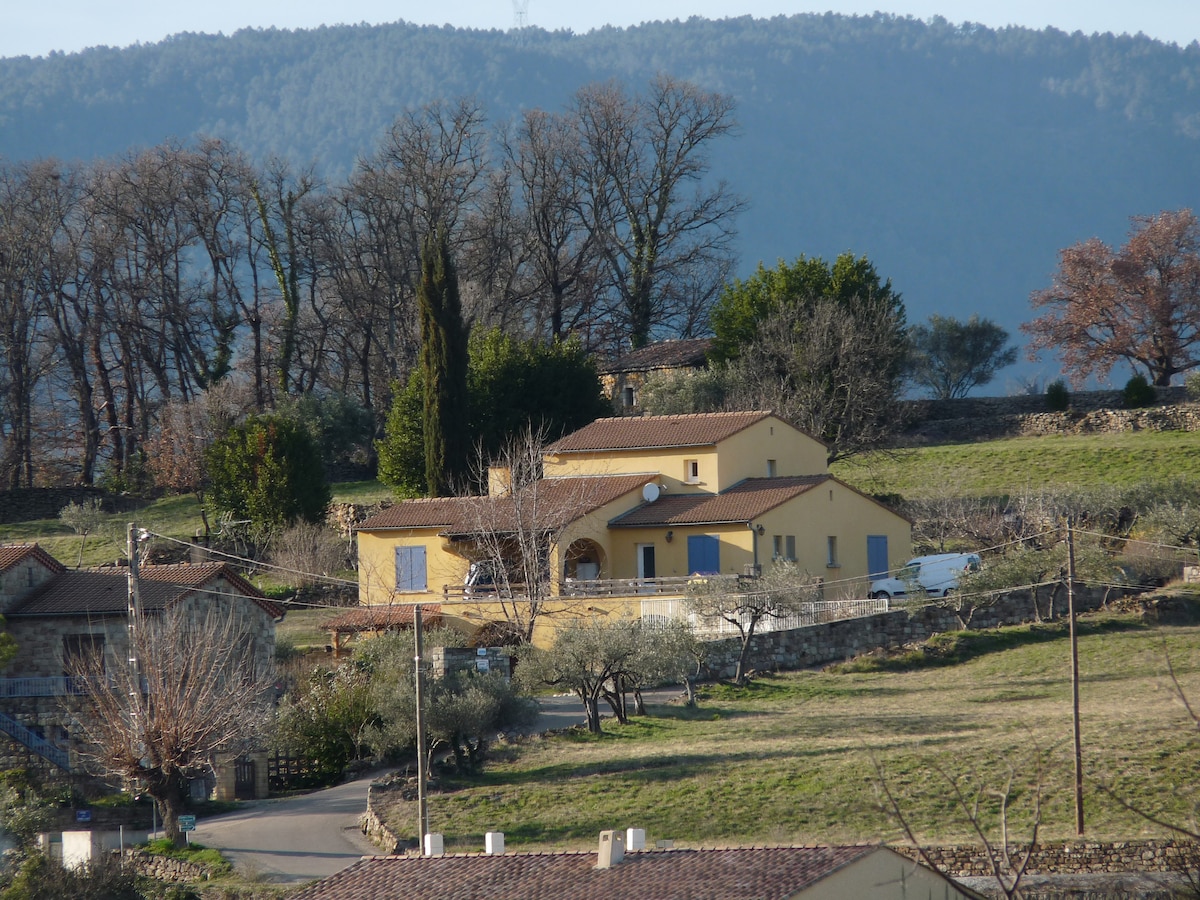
297, 839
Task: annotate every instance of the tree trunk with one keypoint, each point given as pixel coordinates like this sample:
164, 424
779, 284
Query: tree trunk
639, 702
591, 714
167, 797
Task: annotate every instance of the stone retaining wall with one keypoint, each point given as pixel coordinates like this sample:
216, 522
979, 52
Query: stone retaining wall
1092, 412
166, 868
816, 645
1072, 858
373, 826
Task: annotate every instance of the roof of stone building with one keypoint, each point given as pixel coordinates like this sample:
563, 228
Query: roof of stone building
750, 873
759, 873
559, 500
12, 555
742, 502
656, 432
661, 355
105, 591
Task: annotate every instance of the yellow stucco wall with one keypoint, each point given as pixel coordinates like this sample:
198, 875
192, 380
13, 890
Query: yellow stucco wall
740, 456
745, 454
377, 565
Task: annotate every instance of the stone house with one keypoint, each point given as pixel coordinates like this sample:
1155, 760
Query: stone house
54, 613
623, 378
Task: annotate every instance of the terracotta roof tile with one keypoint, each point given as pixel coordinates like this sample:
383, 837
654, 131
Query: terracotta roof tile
375, 618
106, 591
661, 355
656, 432
12, 555
742, 502
759, 873
561, 500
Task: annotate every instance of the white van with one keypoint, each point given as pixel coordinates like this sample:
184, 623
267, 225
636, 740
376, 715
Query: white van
935, 575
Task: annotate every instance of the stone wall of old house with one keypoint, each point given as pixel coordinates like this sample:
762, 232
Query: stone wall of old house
18, 581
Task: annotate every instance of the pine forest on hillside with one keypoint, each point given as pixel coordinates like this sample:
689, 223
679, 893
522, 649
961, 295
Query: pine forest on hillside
958, 158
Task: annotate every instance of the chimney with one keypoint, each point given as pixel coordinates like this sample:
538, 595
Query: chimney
434, 845
612, 849
493, 843
635, 839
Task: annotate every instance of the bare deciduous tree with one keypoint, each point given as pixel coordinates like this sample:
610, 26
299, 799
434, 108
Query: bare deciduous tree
665, 233
986, 804
197, 692
829, 368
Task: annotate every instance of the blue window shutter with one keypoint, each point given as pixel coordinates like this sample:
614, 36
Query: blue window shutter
877, 555
704, 554
410, 569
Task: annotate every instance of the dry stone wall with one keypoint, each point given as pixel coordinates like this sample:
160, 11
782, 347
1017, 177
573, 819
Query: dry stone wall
815, 645
1071, 858
1090, 412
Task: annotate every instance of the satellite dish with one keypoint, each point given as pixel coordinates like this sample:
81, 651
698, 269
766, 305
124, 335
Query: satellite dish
650, 492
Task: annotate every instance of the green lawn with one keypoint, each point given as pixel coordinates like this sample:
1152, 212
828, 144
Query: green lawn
1016, 465
793, 758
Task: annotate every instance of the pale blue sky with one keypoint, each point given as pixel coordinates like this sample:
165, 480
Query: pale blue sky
35, 27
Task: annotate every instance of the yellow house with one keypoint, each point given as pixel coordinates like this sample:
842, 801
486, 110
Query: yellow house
630, 507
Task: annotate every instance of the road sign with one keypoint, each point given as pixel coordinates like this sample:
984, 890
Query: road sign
187, 823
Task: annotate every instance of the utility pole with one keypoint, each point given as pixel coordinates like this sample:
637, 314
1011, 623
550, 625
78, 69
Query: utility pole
134, 627
422, 759
1075, 677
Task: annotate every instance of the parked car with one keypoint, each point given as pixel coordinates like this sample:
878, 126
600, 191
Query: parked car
935, 575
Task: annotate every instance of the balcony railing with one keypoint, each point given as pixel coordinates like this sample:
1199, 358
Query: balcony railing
44, 687
675, 586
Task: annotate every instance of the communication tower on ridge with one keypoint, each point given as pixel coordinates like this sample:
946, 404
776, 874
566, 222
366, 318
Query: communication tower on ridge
520, 13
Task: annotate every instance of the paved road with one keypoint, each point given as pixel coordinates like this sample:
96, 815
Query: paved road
297, 839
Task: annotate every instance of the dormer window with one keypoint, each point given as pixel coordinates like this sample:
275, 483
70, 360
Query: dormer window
691, 471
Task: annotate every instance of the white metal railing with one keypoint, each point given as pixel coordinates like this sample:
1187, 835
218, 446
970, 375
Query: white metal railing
815, 613
672, 586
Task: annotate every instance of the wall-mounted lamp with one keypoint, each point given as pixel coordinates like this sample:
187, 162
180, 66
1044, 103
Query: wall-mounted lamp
670, 536
761, 529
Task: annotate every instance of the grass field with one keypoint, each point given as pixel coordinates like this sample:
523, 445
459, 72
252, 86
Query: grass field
1016, 465
792, 758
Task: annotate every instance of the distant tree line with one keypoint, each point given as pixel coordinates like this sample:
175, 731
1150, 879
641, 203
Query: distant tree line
132, 284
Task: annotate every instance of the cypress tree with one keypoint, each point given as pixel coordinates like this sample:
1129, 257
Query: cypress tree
444, 367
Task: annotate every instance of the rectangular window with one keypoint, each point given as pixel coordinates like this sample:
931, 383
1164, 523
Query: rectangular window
771, 468
630, 398
777, 546
832, 553
410, 569
691, 471
81, 651
790, 549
